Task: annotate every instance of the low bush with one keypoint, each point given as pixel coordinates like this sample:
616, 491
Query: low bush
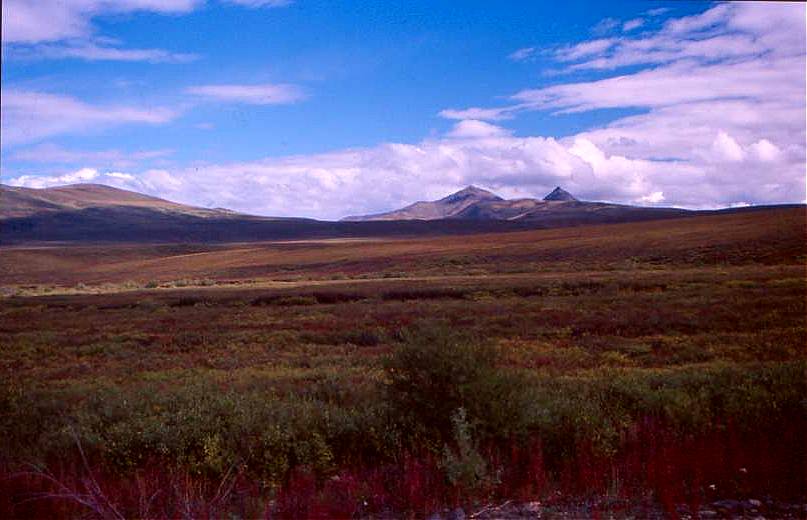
435, 372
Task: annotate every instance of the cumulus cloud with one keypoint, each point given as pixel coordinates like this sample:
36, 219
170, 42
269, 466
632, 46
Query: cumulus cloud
83, 175
720, 122
652, 198
725, 148
765, 150
262, 94
722, 96
331, 185
29, 116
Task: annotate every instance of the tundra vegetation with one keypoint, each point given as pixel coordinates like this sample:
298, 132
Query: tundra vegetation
659, 361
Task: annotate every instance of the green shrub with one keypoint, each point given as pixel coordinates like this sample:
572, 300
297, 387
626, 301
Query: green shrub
436, 371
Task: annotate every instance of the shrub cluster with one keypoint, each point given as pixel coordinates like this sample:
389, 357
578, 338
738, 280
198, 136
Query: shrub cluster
444, 394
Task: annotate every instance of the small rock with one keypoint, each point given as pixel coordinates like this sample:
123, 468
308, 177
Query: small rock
754, 503
707, 513
531, 508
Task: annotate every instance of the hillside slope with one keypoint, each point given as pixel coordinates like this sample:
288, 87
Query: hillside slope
557, 208
764, 236
92, 213
17, 202
447, 207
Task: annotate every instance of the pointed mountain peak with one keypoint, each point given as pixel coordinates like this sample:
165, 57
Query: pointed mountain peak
559, 194
471, 191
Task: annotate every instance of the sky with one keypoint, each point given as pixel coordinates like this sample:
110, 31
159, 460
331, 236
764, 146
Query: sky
324, 109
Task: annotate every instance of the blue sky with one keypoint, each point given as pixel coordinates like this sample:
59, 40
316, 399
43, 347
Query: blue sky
327, 108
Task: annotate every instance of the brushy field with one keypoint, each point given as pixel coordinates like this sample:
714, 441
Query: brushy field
661, 362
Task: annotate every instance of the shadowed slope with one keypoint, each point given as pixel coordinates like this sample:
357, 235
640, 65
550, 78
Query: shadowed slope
763, 236
447, 207
93, 213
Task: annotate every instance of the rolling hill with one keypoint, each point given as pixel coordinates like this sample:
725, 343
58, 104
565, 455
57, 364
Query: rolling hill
96, 213
16, 202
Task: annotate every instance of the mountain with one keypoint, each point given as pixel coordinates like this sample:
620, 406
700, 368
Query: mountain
97, 213
93, 213
558, 207
16, 202
559, 194
447, 207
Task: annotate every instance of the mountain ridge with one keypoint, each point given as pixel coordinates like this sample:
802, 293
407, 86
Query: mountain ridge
446, 207
473, 203
102, 214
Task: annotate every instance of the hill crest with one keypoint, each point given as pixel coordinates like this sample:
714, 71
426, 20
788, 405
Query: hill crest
18, 202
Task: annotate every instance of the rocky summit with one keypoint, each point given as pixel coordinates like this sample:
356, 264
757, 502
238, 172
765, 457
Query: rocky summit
559, 195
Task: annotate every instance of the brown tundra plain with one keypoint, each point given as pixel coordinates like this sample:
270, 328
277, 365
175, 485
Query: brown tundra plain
626, 370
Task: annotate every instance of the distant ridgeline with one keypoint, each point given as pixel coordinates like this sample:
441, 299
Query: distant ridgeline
98, 213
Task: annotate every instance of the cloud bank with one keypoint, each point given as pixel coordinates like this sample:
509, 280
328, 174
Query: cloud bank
721, 121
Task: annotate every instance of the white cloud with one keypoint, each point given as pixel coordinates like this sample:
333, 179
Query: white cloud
91, 51
605, 26
486, 114
736, 30
476, 129
58, 29
260, 3
765, 150
652, 198
585, 49
32, 21
331, 185
521, 54
658, 11
725, 148
632, 24
32, 116
721, 121
80, 176
50, 153
262, 94
678, 83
